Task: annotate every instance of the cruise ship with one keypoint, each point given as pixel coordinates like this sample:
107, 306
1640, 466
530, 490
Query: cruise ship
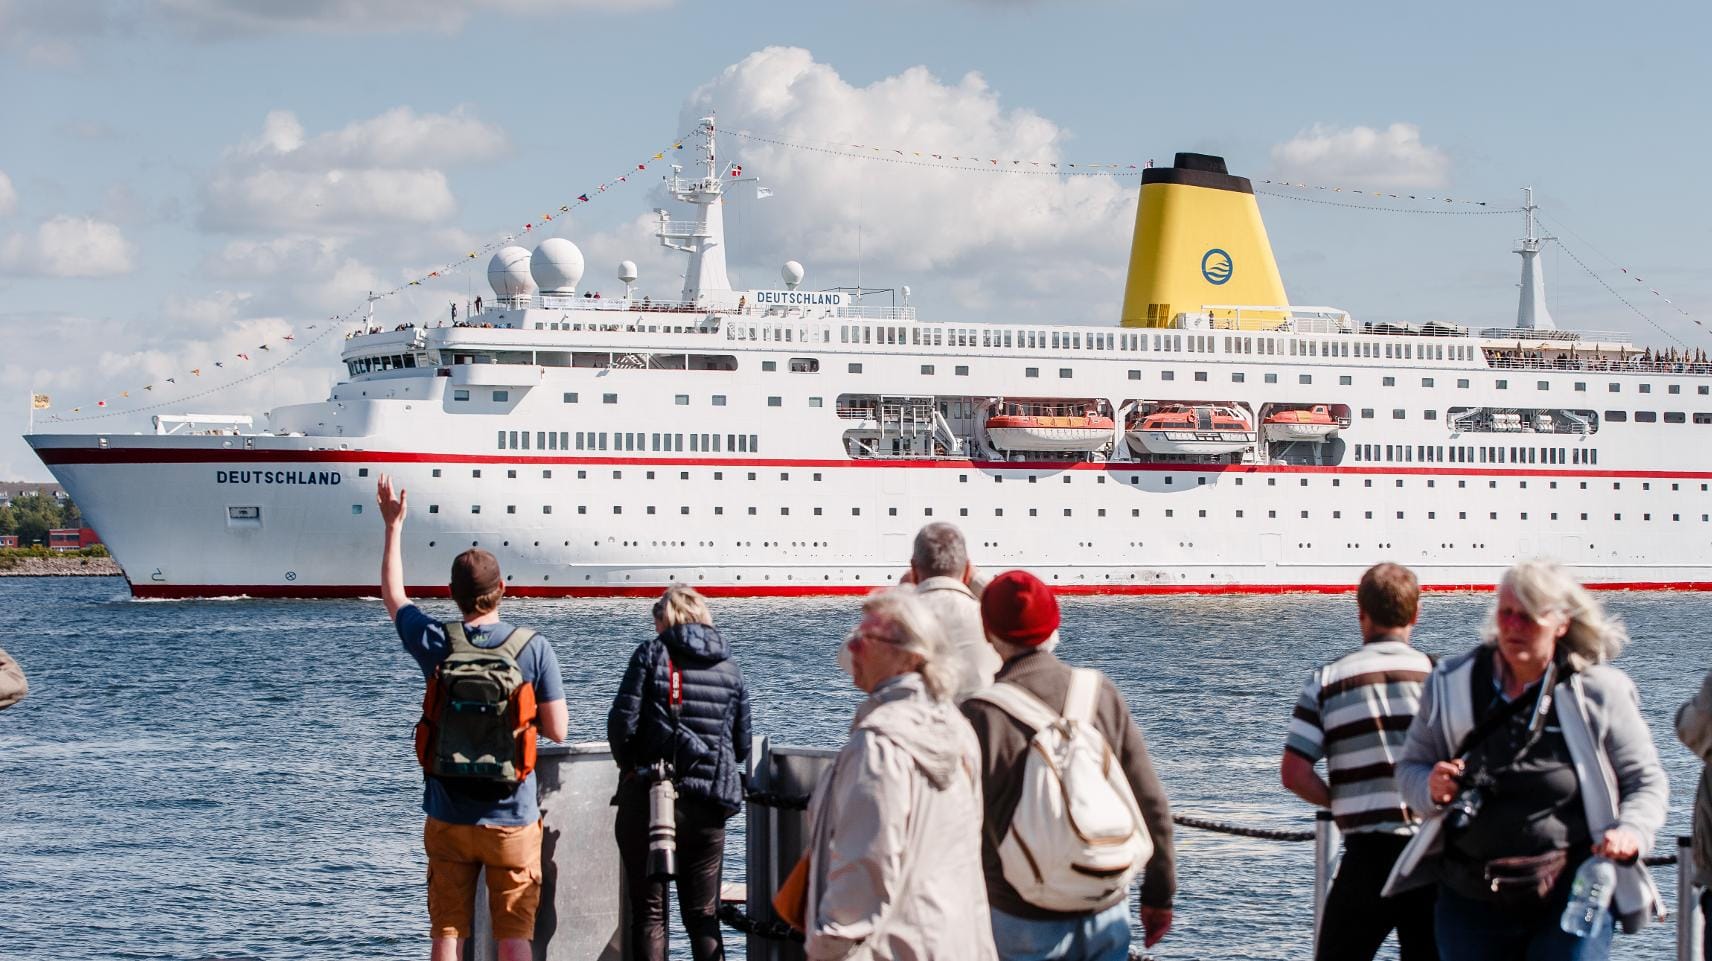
781, 441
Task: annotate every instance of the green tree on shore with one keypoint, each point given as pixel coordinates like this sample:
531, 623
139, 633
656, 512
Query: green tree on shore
31, 516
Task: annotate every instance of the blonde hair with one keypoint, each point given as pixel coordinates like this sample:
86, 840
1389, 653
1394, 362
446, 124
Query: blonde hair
1543, 588
680, 604
913, 628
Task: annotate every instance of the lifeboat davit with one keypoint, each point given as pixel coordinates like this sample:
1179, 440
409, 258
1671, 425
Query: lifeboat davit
1314, 424
1193, 429
1027, 428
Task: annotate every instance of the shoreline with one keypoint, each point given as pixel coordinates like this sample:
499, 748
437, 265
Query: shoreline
62, 567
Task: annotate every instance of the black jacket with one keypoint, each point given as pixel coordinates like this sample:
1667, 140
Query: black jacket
711, 733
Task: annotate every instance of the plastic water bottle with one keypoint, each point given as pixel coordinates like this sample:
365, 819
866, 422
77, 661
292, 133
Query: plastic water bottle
1589, 907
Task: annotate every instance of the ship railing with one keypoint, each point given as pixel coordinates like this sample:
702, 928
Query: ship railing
1534, 335
1568, 362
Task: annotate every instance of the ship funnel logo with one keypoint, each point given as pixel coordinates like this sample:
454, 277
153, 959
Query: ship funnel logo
1216, 267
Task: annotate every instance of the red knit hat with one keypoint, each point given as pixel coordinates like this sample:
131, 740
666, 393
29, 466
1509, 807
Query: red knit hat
1018, 609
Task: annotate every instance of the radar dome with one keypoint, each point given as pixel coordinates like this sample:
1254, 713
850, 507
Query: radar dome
557, 266
627, 271
508, 273
792, 272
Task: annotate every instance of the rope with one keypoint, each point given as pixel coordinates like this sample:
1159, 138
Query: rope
1389, 210
737, 919
1221, 827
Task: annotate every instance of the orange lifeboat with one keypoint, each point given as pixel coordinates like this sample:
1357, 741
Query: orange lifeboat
1060, 428
1313, 424
1176, 428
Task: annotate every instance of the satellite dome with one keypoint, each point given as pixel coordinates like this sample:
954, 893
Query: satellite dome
627, 271
508, 273
557, 266
792, 272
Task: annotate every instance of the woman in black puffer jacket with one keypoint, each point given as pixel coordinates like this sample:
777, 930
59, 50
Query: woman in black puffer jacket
706, 741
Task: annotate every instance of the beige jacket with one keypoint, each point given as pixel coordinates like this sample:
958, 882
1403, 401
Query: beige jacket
13, 684
895, 837
959, 612
1694, 729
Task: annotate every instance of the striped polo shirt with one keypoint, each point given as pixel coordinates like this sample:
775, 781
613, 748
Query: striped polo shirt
1355, 713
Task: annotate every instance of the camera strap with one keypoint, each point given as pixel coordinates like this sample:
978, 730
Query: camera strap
1501, 714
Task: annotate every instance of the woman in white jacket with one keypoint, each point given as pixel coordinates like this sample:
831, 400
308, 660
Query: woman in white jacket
894, 827
1519, 785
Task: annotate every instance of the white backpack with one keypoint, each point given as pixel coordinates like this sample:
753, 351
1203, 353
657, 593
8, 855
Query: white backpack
1077, 837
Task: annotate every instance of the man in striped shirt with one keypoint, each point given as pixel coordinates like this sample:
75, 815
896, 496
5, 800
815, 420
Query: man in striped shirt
1355, 713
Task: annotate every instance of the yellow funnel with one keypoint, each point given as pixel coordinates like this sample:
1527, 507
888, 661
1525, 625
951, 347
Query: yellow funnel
1199, 241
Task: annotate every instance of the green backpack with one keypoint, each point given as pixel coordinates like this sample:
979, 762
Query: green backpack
477, 732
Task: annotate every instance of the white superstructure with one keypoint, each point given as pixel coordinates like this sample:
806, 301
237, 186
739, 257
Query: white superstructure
792, 441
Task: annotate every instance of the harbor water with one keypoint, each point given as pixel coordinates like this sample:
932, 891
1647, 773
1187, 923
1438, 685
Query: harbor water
234, 779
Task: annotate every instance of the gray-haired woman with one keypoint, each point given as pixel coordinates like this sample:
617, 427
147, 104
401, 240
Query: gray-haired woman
1520, 785
894, 827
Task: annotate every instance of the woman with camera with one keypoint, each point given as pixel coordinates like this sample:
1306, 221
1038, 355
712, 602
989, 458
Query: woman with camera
894, 847
679, 730
1529, 757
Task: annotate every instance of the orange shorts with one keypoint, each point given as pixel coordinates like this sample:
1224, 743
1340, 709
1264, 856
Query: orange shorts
456, 855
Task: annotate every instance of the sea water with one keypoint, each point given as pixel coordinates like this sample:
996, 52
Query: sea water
234, 779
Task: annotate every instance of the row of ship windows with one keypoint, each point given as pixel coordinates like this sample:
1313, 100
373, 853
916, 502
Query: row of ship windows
1135, 480
626, 441
1440, 454
926, 336
254, 513
1067, 373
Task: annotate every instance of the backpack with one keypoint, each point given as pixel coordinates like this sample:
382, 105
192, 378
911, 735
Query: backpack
1077, 838
477, 732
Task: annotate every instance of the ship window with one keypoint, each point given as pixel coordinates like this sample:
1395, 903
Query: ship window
564, 444
1397, 413
1616, 416
775, 402
1581, 386
1200, 375
1646, 388
1674, 389
1304, 378
1615, 388
433, 508
1426, 382
540, 440
1387, 381
460, 395
1701, 417
1271, 378
1031, 372
609, 398
1167, 375
1237, 376
1462, 382
682, 400
767, 365
1646, 417
1430, 414
1675, 417
570, 397
1064, 373
1502, 385
502, 439
927, 368
814, 402
1703, 389
961, 370
1344, 380
805, 365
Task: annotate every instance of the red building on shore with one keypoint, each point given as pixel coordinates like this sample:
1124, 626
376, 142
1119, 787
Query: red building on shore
72, 538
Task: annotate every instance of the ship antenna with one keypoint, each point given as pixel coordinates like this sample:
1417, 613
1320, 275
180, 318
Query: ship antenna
1531, 312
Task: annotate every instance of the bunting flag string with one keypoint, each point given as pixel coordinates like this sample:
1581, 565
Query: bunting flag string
943, 160
1483, 209
1560, 225
1417, 197
355, 313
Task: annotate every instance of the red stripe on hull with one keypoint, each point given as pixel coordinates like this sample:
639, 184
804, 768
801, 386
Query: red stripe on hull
52, 456
192, 591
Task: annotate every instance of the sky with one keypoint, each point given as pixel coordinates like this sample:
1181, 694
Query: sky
182, 181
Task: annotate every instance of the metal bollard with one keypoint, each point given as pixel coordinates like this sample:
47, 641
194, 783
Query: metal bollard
1326, 840
1689, 921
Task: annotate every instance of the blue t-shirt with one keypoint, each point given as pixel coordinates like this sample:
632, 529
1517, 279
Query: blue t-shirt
425, 639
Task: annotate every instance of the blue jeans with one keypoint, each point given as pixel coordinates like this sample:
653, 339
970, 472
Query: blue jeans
1088, 937
1474, 930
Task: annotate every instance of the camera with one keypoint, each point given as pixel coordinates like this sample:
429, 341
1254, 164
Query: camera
1464, 808
662, 822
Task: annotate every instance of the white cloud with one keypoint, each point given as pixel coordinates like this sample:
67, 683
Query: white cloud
8, 196
67, 246
1025, 242
373, 171
1393, 157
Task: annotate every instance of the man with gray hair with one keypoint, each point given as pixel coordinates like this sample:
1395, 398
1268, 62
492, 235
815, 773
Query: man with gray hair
940, 569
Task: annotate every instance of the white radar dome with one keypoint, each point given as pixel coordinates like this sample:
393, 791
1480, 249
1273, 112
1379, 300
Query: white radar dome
557, 266
627, 271
508, 273
792, 272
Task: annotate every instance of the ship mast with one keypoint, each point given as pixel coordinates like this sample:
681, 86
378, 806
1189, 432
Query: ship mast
1531, 312
704, 237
